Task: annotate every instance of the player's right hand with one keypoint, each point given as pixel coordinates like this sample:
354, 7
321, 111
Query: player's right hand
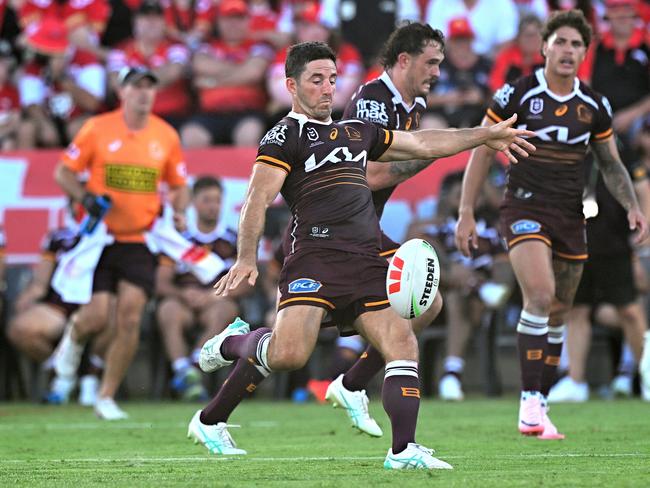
239, 272
93, 205
466, 234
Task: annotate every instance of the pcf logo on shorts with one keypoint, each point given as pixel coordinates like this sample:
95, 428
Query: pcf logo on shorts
525, 227
304, 285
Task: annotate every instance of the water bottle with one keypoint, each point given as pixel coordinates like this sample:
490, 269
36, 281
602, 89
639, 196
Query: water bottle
89, 222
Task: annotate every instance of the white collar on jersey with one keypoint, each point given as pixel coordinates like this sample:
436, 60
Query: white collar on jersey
303, 119
397, 96
543, 87
203, 237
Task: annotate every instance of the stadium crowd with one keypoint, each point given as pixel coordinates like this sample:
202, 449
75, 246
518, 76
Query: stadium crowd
219, 67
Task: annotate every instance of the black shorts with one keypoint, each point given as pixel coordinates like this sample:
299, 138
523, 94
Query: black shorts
221, 125
346, 285
388, 247
53, 299
564, 232
128, 261
607, 280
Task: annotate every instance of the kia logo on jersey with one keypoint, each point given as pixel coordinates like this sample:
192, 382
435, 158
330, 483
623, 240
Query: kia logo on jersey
304, 285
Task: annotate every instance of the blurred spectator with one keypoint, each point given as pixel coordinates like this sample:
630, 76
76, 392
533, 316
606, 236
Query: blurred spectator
460, 95
60, 88
620, 70
471, 285
265, 23
229, 76
9, 99
367, 24
494, 22
167, 59
9, 26
188, 21
84, 20
520, 58
643, 144
40, 314
587, 7
348, 63
537, 8
185, 302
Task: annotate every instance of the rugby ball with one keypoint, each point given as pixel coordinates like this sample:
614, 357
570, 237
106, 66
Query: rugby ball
413, 278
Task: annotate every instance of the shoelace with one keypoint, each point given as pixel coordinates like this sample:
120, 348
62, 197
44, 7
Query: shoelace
225, 437
363, 401
425, 449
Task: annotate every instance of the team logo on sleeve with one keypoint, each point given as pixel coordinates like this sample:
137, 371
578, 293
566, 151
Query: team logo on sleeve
502, 96
277, 135
373, 111
72, 151
304, 285
525, 227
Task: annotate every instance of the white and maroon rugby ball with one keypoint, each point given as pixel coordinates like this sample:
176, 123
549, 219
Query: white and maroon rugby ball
413, 278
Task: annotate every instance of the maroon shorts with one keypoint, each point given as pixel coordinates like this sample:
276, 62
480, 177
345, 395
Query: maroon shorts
562, 231
346, 285
54, 299
388, 247
125, 261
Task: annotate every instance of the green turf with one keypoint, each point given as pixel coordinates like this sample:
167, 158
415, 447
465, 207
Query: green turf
608, 444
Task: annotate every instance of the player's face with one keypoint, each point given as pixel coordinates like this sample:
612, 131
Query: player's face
314, 91
208, 204
564, 52
424, 70
138, 97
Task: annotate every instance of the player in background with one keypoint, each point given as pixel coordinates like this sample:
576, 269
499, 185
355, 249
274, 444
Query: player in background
541, 216
127, 153
184, 301
334, 264
394, 101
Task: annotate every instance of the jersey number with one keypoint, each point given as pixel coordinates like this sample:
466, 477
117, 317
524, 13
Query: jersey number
333, 157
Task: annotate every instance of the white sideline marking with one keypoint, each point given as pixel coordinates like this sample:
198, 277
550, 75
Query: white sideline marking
195, 459
118, 425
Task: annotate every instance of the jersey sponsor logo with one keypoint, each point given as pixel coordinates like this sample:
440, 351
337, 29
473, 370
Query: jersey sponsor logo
72, 151
584, 114
559, 133
536, 106
312, 134
352, 133
334, 133
525, 227
125, 177
333, 157
115, 145
503, 94
372, 111
408, 124
304, 285
561, 110
320, 232
277, 135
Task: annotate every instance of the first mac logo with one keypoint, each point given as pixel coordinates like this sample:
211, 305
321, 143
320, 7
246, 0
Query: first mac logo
304, 285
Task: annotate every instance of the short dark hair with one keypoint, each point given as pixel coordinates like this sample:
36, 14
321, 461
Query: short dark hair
568, 18
410, 38
305, 52
205, 182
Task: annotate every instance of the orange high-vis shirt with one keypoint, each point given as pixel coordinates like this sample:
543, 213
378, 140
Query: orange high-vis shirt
129, 166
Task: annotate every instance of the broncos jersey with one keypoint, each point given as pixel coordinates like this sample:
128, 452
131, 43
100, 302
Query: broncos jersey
326, 187
565, 125
379, 102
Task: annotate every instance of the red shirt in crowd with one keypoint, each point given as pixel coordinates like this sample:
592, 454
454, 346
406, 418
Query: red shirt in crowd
74, 13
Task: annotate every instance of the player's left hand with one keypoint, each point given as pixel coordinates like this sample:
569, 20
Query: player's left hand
639, 224
239, 272
502, 137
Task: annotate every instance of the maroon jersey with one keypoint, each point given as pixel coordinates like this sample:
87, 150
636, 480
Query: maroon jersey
379, 102
326, 185
554, 174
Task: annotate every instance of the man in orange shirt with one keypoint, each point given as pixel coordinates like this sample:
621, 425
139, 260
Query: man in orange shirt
127, 153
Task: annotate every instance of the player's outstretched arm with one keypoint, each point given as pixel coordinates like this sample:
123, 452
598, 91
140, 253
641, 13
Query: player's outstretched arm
440, 143
385, 175
264, 186
475, 174
619, 184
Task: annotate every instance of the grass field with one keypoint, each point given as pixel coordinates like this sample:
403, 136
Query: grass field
608, 444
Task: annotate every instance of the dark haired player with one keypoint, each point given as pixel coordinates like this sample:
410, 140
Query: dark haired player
541, 215
334, 266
